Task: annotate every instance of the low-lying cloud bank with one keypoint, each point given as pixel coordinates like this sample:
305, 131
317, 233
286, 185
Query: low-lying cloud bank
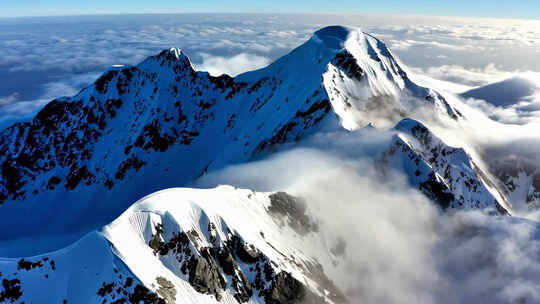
399, 247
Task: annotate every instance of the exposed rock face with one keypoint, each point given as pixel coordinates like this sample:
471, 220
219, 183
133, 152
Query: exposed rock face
447, 175
124, 290
204, 274
166, 290
285, 290
135, 123
348, 64
293, 210
437, 191
212, 270
11, 290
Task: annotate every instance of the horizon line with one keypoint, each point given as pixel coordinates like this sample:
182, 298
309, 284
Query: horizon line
373, 14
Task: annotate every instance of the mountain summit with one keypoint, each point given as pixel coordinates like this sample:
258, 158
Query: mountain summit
161, 124
74, 170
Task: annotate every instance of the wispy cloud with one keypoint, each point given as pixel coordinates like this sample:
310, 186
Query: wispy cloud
467, 76
7, 100
425, 255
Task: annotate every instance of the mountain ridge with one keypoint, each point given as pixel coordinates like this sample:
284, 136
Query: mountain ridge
160, 250
83, 160
161, 124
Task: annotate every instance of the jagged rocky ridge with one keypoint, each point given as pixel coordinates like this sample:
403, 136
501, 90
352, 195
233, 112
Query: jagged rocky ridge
446, 174
161, 123
186, 246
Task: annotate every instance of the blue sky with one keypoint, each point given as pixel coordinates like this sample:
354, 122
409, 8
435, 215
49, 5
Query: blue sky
527, 9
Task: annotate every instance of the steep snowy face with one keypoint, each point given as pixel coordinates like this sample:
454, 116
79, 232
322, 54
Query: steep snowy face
221, 245
86, 272
161, 124
366, 83
140, 129
446, 174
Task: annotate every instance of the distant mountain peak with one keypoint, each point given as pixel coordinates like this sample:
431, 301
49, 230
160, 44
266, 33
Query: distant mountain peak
176, 52
172, 54
173, 58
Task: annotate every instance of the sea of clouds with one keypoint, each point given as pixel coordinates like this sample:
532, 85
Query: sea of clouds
44, 58
400, 248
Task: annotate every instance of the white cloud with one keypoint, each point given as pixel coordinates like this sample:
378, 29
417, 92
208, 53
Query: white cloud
13, 109
217, 65
395, 238
7, 100
405, 44
467, 76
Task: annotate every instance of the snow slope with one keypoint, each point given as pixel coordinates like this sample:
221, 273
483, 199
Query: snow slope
84, 159
162, 124
186, 246
446, 174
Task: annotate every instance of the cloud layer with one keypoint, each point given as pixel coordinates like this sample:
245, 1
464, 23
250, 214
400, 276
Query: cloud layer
217, 65
399, 248
37, 52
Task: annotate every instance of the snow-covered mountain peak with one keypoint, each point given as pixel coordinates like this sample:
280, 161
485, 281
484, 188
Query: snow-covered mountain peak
333, 36
173, 58
363, 79
127, 134
446, 174
407, 124
176, 52
508, 92
183, 245
173, 53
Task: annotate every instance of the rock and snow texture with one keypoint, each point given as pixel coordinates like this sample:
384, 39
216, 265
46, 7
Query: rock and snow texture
161, 124
446, 174
185, 245
82, 160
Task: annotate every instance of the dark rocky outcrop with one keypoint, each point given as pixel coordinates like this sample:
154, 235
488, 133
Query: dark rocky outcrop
294, 210
166, 290
437, 191
348, 64
204, 274
285, 290
11, 290
124, 290
211, 270
27, 265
